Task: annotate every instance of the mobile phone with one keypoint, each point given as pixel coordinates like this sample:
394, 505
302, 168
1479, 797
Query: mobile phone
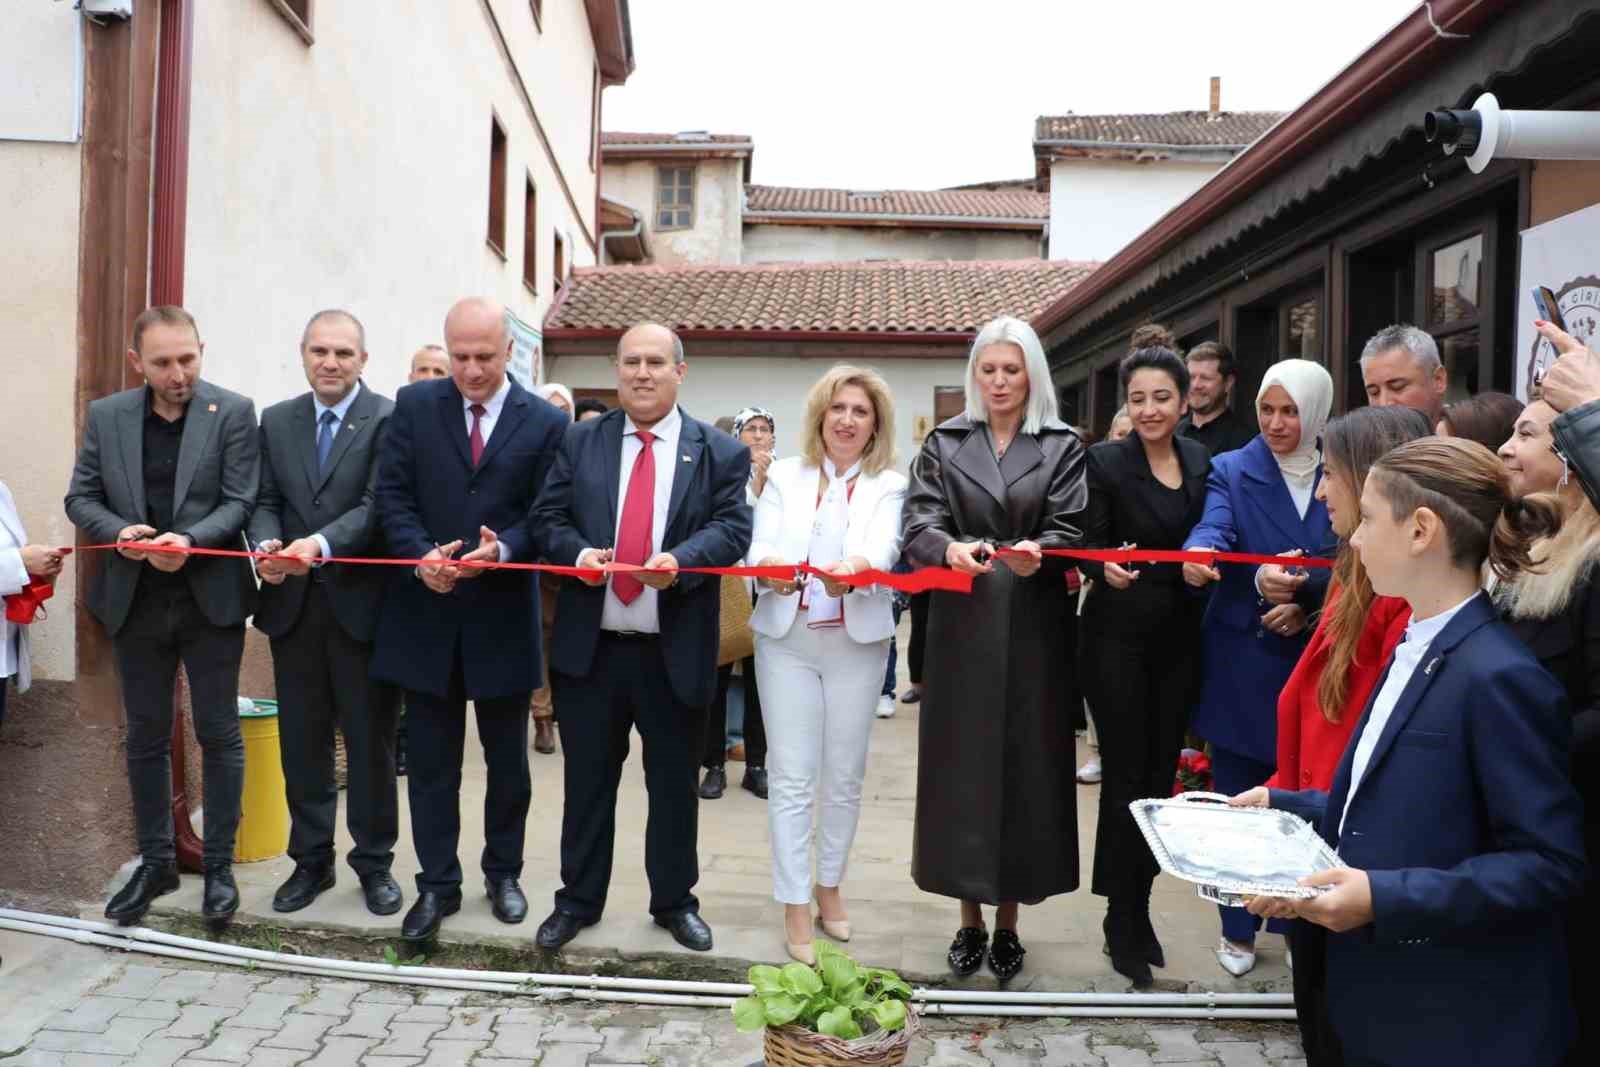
1549, 310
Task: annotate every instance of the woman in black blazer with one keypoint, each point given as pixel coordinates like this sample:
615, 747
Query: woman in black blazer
1146, 490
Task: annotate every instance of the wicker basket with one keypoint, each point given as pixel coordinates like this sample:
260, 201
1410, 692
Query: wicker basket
792, 1046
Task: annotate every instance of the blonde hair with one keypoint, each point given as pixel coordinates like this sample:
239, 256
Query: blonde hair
1569, 556
1041, 411
879, 453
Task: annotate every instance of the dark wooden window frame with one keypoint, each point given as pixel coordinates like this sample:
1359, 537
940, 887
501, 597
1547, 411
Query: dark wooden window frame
300, 15
499, 150
530, 234
558, 263
1431, 241
594, 121
694, 197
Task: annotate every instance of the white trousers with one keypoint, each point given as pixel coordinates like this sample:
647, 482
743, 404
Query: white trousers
818, 692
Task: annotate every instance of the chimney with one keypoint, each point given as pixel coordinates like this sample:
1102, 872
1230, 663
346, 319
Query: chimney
1216, 96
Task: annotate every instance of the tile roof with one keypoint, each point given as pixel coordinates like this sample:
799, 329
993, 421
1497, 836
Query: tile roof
614, 139
1188, 129
935, 296
1010, 204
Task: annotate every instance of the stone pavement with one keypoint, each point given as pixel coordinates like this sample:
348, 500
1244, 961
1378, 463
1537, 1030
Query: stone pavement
896, 925
64, 1005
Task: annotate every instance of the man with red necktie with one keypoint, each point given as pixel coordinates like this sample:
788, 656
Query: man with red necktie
645, 485
462, 462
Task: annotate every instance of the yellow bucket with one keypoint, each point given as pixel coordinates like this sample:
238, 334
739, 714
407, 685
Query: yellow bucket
264, 810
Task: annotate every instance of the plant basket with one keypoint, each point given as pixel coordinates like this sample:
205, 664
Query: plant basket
794, 1046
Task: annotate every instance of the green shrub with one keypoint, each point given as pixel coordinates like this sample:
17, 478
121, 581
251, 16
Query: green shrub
836, 997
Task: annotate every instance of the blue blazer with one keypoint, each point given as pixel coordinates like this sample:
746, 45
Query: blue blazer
1472, 837
1244, 665
708, 525
429, 493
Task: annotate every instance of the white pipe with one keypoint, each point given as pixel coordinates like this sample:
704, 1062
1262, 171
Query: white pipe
642, 990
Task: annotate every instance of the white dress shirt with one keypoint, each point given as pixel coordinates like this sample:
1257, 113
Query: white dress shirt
486, 424
340, 410
642, 615
1408, 655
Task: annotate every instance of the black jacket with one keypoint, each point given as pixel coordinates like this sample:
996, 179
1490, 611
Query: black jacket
1577, 434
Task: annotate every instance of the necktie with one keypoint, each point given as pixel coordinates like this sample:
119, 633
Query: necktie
477, 432
638, 518
325, 440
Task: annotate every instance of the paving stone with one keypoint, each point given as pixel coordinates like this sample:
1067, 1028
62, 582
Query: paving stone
1277, 1048
135, 981
163, 1051
1238, 1053
952, 1052
386, 994
302, 1032
90, 1015
165, 1010
232, 1044
265, 1011
1292, 1061
567, 1055
496, 1061
1121, 1056
182, 986
333, 998
516, 1040
341, 1052
275, 1057
37, 1057
1176, 1044
407, 1039
470, 1024
437, 1014
625, 1044
230, 989
446, 997
1069, 1050
367, 1020
680, 1032
198, 1020
121, 1037
370, 1060
574, 1032
454, 1053
293, 987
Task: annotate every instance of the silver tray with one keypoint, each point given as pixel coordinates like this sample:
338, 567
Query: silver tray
1232, 854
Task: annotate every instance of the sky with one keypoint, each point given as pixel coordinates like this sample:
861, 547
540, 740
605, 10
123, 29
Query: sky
925, 94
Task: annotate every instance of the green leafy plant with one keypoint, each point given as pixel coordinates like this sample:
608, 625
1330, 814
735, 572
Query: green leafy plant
393, 959
837, 997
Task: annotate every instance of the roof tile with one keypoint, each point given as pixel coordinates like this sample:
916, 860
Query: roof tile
1012, 204
1197, 129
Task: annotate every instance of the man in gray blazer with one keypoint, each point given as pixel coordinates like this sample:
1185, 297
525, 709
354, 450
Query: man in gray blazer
319, 465
173, 462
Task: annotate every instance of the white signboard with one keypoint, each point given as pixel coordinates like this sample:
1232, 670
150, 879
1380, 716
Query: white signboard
527, 353
41, 72
1563, 255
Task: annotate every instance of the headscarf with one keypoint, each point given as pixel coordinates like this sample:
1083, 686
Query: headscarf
553, 389
746, 414
1310, 387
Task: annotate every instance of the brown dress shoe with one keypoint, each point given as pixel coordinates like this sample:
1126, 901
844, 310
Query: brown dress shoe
544, 736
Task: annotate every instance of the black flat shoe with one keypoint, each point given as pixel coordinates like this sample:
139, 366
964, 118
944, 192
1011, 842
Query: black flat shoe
506, 899
559, 928
304, 886
544, 737
912, 696
423, 920
382, 892
149, 881
688, 930
221, 896
755, 781
716, 780
1126, 948
966, 951
1005, 955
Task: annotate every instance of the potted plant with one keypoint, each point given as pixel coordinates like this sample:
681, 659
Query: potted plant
835, 1013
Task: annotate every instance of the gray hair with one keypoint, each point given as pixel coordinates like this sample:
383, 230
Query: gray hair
1419, 343
1041, 389
335, 313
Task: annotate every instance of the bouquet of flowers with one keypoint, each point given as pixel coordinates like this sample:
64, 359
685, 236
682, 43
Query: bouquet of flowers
1194, 773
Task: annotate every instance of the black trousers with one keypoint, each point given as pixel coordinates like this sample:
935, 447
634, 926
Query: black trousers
322, 678
1309, 943
1143, 686
627, 688
919, 636
165, 627
438, 729
5, 683
755, 730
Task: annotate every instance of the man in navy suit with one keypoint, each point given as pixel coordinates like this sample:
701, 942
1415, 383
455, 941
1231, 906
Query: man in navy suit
462, 463
647, 485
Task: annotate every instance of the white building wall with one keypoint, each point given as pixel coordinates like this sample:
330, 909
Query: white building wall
1098, 206
721, 385
39, 307
718, 209
354, 173
769, 243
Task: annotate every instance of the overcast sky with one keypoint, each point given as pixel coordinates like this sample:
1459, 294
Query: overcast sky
921, 94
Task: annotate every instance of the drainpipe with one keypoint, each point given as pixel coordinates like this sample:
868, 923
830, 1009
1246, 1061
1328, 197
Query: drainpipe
174, 74
633, 231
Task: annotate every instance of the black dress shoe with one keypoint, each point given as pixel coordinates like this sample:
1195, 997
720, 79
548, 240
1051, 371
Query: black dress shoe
544, 736
559, 928
1005, 955
220, 898
688, 930
150, 880
1153, 953
716, 780
1125, 945
755, 780
423, 920
382, 892
967, 950
304, 885
506, 899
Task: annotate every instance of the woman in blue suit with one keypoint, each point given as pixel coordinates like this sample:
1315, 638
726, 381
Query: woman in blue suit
1260, 499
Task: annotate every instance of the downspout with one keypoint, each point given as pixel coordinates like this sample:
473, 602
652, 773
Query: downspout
174, 75
634, 231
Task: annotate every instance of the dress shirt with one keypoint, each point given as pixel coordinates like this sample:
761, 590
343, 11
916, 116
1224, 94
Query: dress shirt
1408, 655
340, 410
163, 441
642, 616
1225, 433
486, 424
14, 578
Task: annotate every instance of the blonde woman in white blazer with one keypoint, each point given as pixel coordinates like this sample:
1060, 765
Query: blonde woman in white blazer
821, 648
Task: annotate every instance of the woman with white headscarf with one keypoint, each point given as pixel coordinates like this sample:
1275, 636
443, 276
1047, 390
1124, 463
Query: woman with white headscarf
1260, 500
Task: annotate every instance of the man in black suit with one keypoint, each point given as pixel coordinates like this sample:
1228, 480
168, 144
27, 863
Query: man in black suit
462, 461
643, 484
319, 463
175, 461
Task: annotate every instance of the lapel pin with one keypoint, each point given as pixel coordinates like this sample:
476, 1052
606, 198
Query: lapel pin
211, 408
686, 459
1432, 663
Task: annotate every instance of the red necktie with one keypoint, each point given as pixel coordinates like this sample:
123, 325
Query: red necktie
638, 518
477, 433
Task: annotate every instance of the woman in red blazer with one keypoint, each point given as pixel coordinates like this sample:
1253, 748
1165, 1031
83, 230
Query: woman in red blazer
1328, 691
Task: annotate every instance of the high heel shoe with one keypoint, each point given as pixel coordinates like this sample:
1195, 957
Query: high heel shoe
838, 929
801, 953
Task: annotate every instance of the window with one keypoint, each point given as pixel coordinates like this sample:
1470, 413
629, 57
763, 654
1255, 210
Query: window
1301, 327
594, 121
298, 15
1453, 306
530, 236
537, 7
948, 402
674, 198
559, 264
497, 187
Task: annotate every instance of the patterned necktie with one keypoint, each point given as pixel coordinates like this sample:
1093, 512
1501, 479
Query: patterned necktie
638, 518
325, 441
478, 411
